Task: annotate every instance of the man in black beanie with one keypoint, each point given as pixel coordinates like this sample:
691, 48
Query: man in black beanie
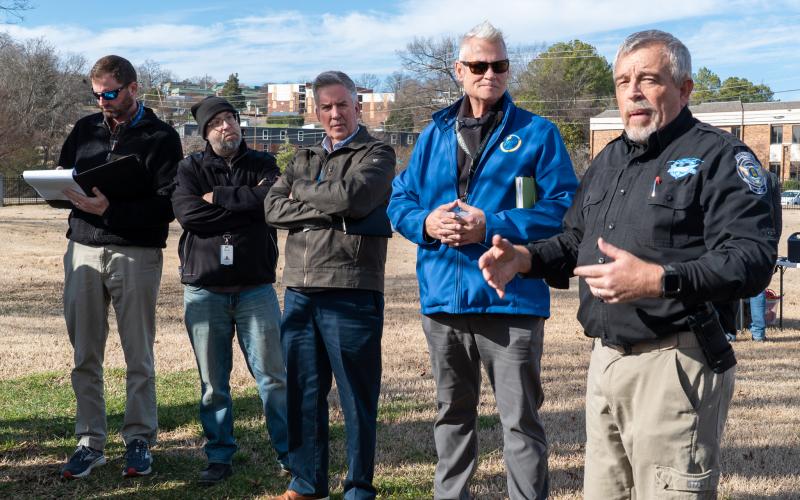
228, 255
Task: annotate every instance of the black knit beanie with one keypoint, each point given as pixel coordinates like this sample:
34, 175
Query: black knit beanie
207, 109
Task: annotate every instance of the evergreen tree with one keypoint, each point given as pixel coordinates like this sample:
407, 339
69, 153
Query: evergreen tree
284, 155
232, 91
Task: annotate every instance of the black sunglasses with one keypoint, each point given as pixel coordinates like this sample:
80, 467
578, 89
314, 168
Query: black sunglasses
481, 67
108, 95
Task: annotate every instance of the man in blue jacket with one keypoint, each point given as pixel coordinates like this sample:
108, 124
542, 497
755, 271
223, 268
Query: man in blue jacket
459, 190
228, 255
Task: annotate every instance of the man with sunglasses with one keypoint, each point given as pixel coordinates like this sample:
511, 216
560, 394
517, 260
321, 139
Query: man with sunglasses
459, 190
228, 255
114, 257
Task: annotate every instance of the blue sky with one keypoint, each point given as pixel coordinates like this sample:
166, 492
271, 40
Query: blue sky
285, 41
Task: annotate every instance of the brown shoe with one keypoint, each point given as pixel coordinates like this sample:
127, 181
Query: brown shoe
293, 495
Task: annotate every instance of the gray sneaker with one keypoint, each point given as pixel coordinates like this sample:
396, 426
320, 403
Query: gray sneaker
137, 459
82, 461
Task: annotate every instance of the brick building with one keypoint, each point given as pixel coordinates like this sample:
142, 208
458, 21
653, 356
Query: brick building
770, 129
375, 107
285, 98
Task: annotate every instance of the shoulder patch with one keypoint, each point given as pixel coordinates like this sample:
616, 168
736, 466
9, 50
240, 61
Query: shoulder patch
683, 167
510, 144
750, 172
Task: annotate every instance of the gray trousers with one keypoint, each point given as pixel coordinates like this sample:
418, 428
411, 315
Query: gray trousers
510, 348
128, 278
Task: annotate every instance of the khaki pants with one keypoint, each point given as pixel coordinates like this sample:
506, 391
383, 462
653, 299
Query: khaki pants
128, 278
654, 422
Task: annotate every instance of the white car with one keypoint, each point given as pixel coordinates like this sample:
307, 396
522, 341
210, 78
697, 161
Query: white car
790, 198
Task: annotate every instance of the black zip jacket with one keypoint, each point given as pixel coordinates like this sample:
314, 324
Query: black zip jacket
141, 222
236, 216
694, 197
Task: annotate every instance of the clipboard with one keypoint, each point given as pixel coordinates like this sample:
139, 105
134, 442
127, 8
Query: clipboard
120, 179
50, 184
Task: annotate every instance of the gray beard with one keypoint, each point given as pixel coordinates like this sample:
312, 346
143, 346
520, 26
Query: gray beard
226, 148
640, 135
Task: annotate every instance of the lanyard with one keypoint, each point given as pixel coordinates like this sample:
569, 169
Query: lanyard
474, 160
463, 144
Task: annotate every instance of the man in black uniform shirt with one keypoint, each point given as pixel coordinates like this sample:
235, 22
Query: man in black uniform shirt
671, 215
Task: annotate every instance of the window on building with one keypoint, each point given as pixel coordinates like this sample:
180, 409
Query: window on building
795, 134
794, 170
775, 168
776, 134
283, 135
736, 130
300, 136
265, 134
409, 139
393, 139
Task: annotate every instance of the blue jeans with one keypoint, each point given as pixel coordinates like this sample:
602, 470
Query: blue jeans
211, 319
758, 306
332, 333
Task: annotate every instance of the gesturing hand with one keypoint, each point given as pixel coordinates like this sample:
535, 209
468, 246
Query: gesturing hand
625, 279
502, 262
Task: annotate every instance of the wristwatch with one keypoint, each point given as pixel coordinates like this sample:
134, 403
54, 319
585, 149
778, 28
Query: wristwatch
670, 282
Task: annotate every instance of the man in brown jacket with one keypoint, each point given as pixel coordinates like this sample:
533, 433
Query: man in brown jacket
332, 199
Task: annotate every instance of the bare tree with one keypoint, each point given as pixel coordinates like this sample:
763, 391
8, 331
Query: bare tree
42, 95
205, 81
428, 82
520, 57
369, 81
13, 10
152, 77
432, 60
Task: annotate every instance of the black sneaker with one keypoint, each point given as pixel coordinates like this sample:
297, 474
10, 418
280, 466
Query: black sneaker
137, 459
215, 473
82, 462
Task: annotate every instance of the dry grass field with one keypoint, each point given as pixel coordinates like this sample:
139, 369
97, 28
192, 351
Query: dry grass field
761, 446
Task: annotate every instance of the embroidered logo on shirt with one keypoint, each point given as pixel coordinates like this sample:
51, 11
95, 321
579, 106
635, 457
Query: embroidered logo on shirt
683, 167
750, 172
510, 144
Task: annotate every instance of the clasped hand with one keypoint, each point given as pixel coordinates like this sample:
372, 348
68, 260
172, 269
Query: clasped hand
456, 224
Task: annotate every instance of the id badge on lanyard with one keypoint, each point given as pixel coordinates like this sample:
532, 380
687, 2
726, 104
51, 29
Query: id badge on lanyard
226, 251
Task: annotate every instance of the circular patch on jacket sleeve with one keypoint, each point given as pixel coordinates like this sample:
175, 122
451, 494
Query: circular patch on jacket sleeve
751, 172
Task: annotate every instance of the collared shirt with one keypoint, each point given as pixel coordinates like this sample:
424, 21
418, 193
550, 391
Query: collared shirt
326, 142
692, 197
117, 130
